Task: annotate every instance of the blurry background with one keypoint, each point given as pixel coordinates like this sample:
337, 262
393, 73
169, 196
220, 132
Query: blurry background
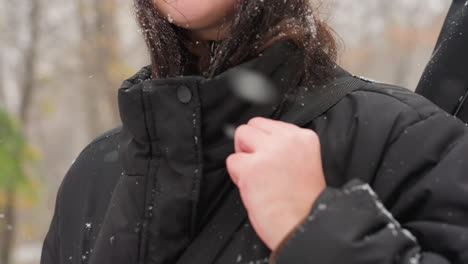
61, 63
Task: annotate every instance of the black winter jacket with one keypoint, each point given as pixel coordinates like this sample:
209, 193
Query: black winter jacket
156, 190
445, 79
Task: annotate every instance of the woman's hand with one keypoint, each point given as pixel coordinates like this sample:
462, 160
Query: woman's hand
277, 167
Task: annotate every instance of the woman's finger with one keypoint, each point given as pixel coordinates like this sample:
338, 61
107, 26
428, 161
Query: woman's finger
248, 139
234, 164
269, 125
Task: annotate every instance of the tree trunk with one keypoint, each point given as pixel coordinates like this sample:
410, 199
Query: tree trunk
98, 53
86, 57
3, 40
108, 52
8, 226
27, 77
2, 91
30, 60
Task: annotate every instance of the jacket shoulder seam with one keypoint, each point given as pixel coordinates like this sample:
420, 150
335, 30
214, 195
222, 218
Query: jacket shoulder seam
103, 137
374, 88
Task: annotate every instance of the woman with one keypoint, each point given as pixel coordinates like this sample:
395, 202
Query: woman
303, 180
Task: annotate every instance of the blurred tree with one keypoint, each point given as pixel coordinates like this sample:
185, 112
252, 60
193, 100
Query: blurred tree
2, 88
14, 157
110, 64
12, 140
86, 57
101, 62
398, 36
2, 49
30, 60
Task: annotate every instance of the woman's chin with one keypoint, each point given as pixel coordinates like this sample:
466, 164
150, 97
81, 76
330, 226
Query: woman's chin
197, 15
194, 22
202, 29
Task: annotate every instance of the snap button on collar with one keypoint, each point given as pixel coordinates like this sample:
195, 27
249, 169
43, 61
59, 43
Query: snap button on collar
184, 94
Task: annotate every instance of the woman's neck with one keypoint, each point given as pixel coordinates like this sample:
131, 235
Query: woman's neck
202, 53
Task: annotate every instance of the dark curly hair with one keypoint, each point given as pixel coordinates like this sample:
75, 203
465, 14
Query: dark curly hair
256, 25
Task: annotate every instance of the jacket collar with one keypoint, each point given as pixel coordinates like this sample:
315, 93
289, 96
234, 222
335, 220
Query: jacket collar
281, 64
173, 136
214, 103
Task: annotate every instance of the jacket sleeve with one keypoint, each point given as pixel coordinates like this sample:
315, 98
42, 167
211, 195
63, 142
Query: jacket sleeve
445, 79
50, 248
420, 216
